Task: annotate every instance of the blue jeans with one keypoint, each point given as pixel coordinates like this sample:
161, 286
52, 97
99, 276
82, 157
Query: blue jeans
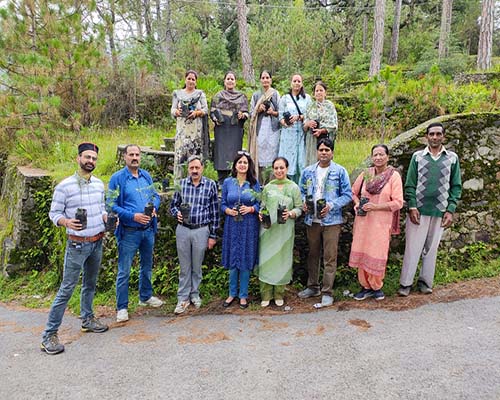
129, 243
78, 257
243, 276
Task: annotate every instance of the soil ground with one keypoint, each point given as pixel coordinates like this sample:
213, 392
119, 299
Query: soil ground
477, 288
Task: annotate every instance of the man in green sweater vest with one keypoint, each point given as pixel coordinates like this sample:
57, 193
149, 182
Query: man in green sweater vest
432, 189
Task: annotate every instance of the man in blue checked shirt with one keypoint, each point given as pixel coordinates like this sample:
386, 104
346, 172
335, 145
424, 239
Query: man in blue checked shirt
327, 181
136, 230
196, 232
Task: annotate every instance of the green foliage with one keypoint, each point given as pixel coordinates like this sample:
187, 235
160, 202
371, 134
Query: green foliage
214, 52
356, 65
49, 57
473, 261
451, 65
394, 102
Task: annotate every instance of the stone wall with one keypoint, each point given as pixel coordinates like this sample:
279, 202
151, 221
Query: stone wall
19, 188
478, 77
475, 137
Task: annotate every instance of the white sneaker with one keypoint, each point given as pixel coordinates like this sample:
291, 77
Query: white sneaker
122, 315
181, 306
279, 302
264, 303
196, 301
151, 302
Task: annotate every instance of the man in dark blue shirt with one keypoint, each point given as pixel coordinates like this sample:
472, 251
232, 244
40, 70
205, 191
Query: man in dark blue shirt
196, 232
136, 207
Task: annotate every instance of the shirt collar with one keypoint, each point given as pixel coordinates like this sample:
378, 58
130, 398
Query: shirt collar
129, 174
80, 178
318, 166
190, 181
428, 151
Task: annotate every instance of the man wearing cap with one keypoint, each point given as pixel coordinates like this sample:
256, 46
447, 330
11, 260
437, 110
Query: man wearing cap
136, 207
80, 195
196, 233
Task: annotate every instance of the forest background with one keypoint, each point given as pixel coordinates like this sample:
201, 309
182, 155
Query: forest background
105, 70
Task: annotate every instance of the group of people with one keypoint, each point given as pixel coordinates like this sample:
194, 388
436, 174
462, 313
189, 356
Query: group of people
287, 126
259, 226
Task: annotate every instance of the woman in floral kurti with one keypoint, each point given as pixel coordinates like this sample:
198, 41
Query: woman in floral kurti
292, 147
320, 121
189, 108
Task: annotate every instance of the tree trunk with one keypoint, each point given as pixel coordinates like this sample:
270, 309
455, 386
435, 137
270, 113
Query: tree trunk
147, 18
246, 54
350, 22
108, 15
378, 38
444, 35
365, 31
393, 58
485, 45
165, 28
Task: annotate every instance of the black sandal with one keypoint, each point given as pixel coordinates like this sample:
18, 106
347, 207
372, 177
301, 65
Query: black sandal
243, 306
226, 303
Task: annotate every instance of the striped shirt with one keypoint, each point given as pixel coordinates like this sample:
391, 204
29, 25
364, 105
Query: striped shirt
76, 192
203, 200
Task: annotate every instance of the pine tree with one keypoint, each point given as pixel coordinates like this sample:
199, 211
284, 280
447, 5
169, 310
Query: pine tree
50, 56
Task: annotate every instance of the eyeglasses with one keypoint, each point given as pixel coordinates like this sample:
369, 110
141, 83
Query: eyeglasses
243, 153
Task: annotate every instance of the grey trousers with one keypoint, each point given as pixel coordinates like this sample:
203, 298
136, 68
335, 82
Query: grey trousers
191, 246
421, 240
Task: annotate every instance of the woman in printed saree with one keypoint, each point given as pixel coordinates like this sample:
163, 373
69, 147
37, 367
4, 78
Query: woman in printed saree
292, 107
378, 197
320, 121
240, 205
282, 200
189, 108
229, 110
264, 133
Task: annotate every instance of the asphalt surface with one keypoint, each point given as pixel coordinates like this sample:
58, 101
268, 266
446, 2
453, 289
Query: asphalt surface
437, 351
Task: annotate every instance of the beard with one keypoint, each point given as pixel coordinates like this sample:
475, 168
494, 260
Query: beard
88, 167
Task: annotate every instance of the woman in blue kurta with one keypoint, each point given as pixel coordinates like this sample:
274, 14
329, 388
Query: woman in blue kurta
292, 146
241, 228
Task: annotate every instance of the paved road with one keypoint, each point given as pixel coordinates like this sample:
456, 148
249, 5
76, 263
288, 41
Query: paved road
438, 351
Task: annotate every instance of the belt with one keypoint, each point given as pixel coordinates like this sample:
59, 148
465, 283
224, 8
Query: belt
191, 226
136, 228
90, 239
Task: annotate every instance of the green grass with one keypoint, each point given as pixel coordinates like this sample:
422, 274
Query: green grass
351, 153
37, 289
59, 158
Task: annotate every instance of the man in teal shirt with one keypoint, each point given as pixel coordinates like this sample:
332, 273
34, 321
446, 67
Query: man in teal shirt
432, 189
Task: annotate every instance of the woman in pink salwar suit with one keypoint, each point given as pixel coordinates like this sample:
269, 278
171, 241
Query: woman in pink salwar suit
378, 197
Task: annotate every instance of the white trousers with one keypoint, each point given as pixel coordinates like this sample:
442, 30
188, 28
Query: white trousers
421, 240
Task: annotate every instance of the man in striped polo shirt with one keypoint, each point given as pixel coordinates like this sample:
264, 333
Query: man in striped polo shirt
432, 189
78, 205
